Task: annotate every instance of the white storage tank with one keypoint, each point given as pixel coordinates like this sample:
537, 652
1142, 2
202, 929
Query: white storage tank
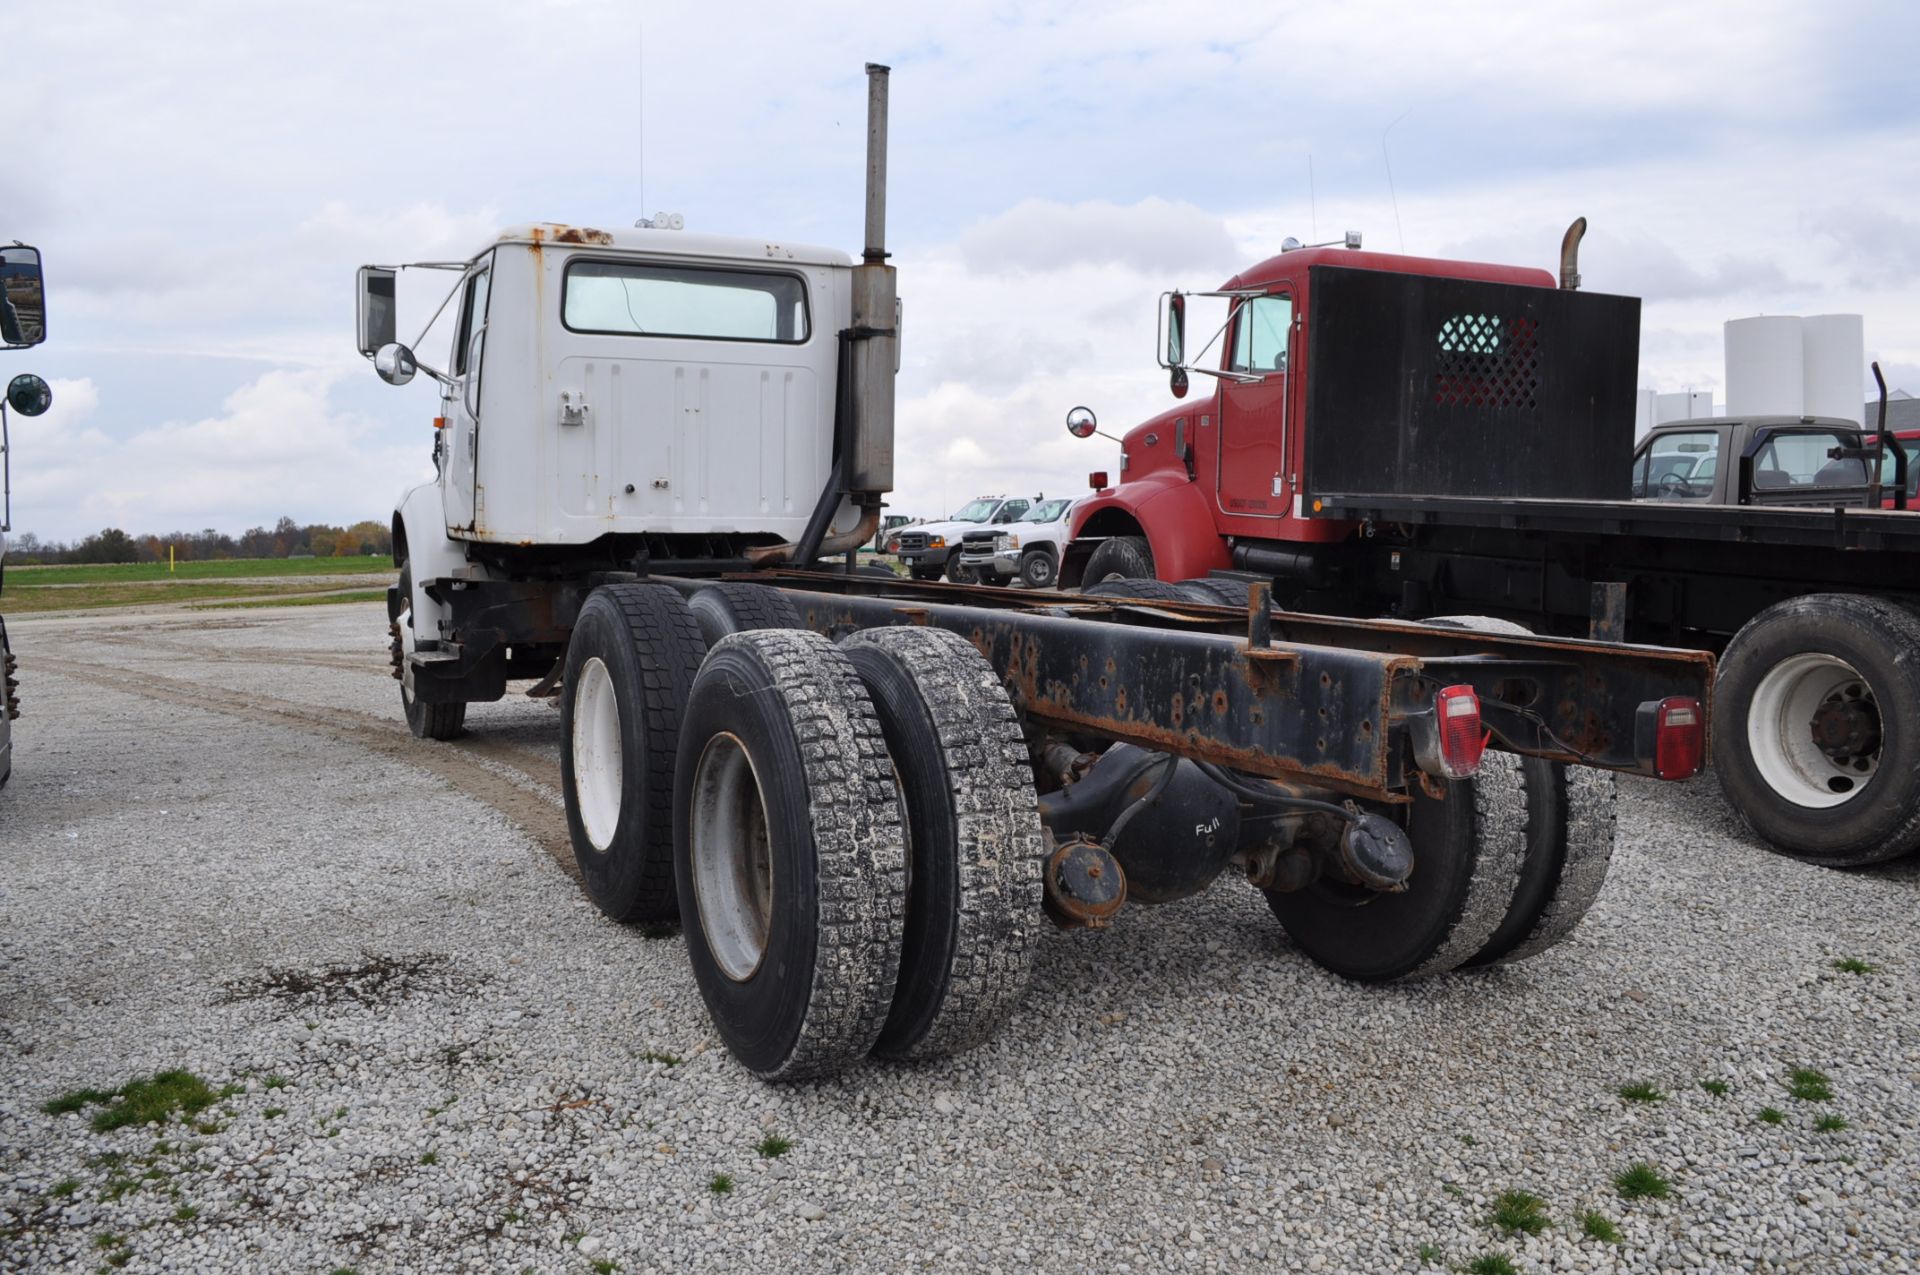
1834, 358
1766, 366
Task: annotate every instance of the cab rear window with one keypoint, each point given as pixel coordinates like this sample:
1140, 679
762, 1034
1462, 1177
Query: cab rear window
636, 298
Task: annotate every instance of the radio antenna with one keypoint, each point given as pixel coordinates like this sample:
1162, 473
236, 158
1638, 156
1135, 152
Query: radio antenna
1390, 190
640, 115
1313, 203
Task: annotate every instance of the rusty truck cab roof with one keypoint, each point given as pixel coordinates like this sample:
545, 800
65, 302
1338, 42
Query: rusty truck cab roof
674, 243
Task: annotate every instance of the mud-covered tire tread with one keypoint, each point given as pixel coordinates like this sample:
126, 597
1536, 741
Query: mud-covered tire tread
1584, 807
1868, 840
856, 835
1569, 842
732, 606
667, 648
1149, 591
1226, 593
950, 1000
440, 722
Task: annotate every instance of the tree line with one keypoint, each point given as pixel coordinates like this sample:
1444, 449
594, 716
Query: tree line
285, 539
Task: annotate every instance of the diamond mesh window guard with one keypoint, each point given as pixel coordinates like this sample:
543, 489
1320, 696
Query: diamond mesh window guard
1486, 361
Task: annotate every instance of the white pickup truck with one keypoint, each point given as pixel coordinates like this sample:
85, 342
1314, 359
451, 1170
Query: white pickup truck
934, 547
1029, 548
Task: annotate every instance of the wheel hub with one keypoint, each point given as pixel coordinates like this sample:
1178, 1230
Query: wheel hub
1847, 725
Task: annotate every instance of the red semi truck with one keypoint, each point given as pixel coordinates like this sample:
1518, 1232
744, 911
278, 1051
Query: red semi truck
1412, 437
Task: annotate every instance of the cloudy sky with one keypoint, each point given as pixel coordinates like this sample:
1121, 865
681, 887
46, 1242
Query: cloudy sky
204, 177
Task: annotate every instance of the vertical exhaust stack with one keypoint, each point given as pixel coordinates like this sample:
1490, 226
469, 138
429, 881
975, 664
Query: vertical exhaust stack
1570, 254
876, 336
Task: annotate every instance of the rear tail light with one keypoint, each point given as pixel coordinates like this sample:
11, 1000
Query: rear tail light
1097, 479
1456, 711
1679, 737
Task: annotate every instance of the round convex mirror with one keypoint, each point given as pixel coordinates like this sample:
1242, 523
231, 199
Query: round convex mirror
28, 395
394, 364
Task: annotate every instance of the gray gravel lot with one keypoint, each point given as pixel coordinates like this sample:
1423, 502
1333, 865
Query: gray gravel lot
220, 852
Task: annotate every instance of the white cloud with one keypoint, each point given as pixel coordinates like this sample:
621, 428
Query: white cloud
1038, 235
278, 446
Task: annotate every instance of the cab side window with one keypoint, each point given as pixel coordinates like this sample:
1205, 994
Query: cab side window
1012, 511
473, 314
1261, 327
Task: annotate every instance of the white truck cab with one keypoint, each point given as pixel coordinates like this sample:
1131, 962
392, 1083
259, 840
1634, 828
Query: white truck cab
637, 381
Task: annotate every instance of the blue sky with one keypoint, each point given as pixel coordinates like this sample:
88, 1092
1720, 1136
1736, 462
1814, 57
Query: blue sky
205, 177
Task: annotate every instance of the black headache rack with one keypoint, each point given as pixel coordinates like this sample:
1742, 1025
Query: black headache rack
1435, 387
1308, 698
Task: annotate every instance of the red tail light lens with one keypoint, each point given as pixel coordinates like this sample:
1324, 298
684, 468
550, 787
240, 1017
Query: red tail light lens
1679, 737
1097, 479
1457, 711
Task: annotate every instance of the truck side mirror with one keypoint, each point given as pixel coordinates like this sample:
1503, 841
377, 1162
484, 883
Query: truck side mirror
23, 297
1176, 324
378, 320
1081, 422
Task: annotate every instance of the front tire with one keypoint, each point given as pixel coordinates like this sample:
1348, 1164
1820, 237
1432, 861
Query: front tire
1816, 732
426, 721
1119, 558
958, 572
630, 664
1038, 569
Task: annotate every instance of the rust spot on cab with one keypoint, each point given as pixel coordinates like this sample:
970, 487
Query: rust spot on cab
583, 235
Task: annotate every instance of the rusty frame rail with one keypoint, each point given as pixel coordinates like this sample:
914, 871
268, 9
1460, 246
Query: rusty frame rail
1327, 701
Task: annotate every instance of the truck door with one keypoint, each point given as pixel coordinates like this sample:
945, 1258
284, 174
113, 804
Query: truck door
1252, 476
461, 403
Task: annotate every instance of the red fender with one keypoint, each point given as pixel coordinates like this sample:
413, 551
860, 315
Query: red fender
1177, 521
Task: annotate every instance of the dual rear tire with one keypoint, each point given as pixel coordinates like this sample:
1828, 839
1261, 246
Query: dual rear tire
848, 832
1505, 866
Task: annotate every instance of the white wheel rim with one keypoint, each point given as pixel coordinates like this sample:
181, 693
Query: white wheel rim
732, 856
596, 753
1780, 731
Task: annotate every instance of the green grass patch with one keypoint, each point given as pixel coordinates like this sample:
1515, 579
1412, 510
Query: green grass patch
1641, 1091
25, 599
1430, 1255
300, 600
185, 1213
274, 1113
1492, 1264
214, 569
1830, 1124
67, 1103
654, 1055
64, 1187
431, 1157
1854, 965
721, 1184
605, 1266
1718, 1088
277, 1082
773, 1146
1641, 1181
1519, 1211
1772, 1115
1595, 1226
150, 1101
1809, 1085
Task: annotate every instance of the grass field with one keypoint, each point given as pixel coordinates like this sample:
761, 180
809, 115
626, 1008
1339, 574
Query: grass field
217, 569
27, 599
300, 600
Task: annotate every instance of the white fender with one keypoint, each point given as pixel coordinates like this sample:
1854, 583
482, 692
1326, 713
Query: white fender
432, 554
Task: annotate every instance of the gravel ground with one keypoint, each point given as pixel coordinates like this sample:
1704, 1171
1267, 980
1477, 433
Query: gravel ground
221, 853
